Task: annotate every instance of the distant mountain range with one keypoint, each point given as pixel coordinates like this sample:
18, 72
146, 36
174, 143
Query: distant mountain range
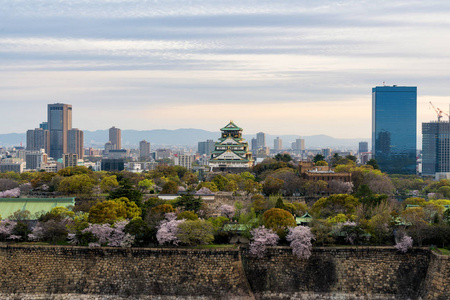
162, 137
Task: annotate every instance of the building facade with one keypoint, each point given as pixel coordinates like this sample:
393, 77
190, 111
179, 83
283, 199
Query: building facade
231, 152
115, 137
435, 148
206, 147
59, 123
144, 149
185, 161
278, 144
38, 139
75, 142
260, 140
363, 147
394, 121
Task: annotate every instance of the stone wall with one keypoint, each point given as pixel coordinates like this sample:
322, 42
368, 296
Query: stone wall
357, 273
45, 272
437, 283
169, 272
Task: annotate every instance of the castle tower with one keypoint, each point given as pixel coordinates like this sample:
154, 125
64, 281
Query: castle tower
231, 152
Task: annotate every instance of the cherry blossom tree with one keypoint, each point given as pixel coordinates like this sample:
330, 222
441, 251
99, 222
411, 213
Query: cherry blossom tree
13, 193
300, 238
404, 244
227, 211
7, 228
168, 230
204, 191
113, 236
262, 238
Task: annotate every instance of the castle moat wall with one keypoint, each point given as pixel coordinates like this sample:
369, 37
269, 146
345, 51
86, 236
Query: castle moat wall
64, 272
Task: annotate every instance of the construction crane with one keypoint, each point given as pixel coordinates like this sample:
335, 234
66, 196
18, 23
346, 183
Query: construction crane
438, 112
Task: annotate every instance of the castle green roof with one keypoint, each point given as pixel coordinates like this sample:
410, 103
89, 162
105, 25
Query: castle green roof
231, 127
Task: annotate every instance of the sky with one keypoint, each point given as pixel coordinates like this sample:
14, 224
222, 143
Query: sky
281, 67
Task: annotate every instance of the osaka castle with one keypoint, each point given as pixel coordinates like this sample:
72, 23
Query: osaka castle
231, 151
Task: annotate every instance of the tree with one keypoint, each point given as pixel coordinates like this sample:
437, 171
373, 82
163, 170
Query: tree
132, 210
108, 183
252, 187
107, 235
220, 181
170, 188
195, 232
300, 238
187, 215
404, 244
77, 184
259, 204
283, 157
168, 230
334, 204
13, 193
280, 203
8, 184
52, 231
318, 157
107, 212
372, 162
163, 209
227, 211
210, 185
278, 220
272, 185
126, 190
262, 238
140, 231
321, 163
189, 202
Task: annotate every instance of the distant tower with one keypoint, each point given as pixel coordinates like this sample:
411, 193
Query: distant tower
144, 149
260, 140
363, 147
59, 123
115, 137
38, 139
394, 123
435, 148
76, 142
277, 144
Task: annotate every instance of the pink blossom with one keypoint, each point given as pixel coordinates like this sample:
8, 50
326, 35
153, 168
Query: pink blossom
6, 228
261, 238
13, 193
204, 191
227, 211
168, 230
300, 238
404, 244
113, 236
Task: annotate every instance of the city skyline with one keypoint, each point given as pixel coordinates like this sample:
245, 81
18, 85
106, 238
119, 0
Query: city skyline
301, 68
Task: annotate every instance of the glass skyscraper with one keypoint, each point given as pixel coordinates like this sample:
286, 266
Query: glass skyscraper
59, 119
394, 133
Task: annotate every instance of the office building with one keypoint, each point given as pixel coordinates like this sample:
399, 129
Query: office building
363, 147
277, 144
260, 140
298, 145
70, 160
59, 123
254, 143
75, 138
326, 152
435, 148
16, 167
113, 164
394, 121
206, 147
43, 125
115, 137
144, 150
38, 139
34, 160
185, 161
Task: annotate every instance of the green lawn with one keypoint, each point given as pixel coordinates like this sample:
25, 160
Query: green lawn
444, 251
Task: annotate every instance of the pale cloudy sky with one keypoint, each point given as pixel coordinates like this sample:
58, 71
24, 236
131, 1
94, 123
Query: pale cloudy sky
282, 67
